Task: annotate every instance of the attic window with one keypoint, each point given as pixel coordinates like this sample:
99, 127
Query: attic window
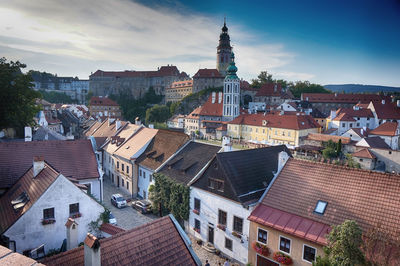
20, 202
321, 206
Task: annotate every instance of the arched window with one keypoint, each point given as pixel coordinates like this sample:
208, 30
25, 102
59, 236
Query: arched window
227, 99
228, 89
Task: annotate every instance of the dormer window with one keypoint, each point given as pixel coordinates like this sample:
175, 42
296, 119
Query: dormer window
320, 207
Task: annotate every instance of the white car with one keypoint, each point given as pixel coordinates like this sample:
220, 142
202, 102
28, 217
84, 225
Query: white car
111, 219
118, 201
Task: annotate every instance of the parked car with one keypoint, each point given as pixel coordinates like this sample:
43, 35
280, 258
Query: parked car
144, 206
111, 219
118, 201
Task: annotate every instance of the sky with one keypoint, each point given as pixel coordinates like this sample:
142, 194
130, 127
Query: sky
325, 42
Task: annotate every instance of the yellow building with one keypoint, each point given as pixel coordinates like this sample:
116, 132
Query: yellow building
178, 90
272, 129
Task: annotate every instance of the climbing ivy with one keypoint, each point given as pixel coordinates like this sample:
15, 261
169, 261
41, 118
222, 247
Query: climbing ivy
172, 197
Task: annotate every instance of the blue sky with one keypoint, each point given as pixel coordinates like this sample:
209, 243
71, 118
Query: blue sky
327, 42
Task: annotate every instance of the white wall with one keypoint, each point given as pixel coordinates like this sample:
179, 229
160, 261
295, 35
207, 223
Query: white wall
210, 204
144, 181
28, 231
94, 186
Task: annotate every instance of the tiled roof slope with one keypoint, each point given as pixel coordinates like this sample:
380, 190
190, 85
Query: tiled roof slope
326, 138
245, 173
156, 243
93, 128
370, 198
107, 129
137, 141
213, 109
207, 73
194, 114
34, 188
362, 112
189, 161
8, 257
102, 101
127, 131
73, 158
387, 110
111, 229
364, 153
342, 98
374, 142
277, 121
163, 71
386, 129
164, 144
270, 89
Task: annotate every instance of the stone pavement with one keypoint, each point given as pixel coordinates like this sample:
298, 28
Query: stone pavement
128, 217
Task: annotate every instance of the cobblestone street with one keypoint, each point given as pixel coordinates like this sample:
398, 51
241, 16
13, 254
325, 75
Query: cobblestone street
127, 218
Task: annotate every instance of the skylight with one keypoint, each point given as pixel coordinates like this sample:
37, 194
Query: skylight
321, 206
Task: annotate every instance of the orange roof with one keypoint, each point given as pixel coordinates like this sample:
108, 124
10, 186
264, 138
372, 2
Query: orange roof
342, 98
364, 153
344, 117
277, 121
207, 73
111, 229
135, 143
387, 110
8, 257
270, 89
213, 109
181, 84
102, 101
195, 113
106, 129
325, 138
386, 129
362, 112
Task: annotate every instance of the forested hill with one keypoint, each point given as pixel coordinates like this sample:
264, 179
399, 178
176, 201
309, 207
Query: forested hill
358, 88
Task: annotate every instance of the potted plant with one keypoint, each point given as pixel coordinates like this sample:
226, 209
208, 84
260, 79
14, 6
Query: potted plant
48, 221
282, 258
221, 226
76, 215
236, 234
196, 230
196, 211
261, 249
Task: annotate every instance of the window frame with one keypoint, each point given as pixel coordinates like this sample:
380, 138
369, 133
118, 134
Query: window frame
258, 229
226, 217
72, 213
49, 218
302, 254
233, 224
279, 244
231, 249
199, 228
194, 204
316, 205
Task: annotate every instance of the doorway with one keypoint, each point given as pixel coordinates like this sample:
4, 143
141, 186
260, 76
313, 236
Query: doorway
211, 234
261, 261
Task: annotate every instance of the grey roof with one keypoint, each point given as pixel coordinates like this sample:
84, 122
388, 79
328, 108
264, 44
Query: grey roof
246, 173
42, 132
188, 162
377, 142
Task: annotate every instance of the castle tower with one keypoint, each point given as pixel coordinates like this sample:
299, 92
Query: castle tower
224, 50
231, 92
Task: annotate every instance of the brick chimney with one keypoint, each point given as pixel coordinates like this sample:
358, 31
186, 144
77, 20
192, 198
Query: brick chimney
137, 121
72, 233
92, 254
38, 165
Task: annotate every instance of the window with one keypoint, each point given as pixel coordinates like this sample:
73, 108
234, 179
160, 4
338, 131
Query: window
237, 224
221, 217
320, 207
351, 124
283, 133
197, 204
361, 160
288, 133
122, 181
122, 167
73, 208
197, 225
127, 185
117, 165
216, 184
284, 244
48, 214
262, 236
343, 125
309, 253
140, 172
228, 243
127, 169
144, 174
358, 124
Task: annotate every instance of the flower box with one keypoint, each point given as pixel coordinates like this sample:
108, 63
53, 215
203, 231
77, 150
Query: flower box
236, 234
260, 249
282, 258
196, 211
48, 221
221, 226
196, 230
76, 215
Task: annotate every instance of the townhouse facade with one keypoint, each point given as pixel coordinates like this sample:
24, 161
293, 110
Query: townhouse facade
178, 90
104, 107
345, 119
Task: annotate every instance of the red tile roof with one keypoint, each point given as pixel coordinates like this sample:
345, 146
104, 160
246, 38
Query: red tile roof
361, 131
181, 84
370, 198
106, 129
163, 71
364, 153
213, 109
290, 223
156, 243
296, 122
387, 111
344, 117
207, 73
111, 229
194, 114
326, 138
270, 89
386, 129
342, 98
102, 101
7, 257
34, 187
362, 112
73, 158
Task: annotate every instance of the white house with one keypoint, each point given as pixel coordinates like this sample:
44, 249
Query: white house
344, 119
356, 134
224, 195
389, 132
36, 209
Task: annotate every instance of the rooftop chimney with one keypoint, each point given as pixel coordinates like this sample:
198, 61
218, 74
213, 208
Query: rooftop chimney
92, 254
137, 121
72, 233
226, 144
383, 101
333, 114
151, 126
38, 165
28, 134
213, 97
117, 125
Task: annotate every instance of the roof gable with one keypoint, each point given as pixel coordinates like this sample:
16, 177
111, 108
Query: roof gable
213, 106
386, 129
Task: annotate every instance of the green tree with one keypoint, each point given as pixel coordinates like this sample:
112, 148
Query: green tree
330, 150
344, 244
339, 148
350, 161
157, 113
300, 87
56, 97
263, 78
18, 99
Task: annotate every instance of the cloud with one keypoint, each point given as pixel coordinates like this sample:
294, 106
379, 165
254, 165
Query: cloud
119, 34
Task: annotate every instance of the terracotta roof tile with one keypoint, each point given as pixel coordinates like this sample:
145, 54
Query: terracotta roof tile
33, 187
180, 84
156, 243
164, 144
7, 257
111, 229
326, 138
386, 129
107, 129
135, 143
373, 142
368, 197
73, 158
364, 153
361, 112
344, 117
161, 72
342, 98
194, 114
207, 73
102, 101
387, 111
213, 109
270, 89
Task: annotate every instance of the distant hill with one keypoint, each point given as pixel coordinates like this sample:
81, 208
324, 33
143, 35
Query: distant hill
358, 88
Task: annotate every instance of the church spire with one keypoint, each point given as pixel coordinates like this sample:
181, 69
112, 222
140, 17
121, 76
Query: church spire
223, 50
232, 69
